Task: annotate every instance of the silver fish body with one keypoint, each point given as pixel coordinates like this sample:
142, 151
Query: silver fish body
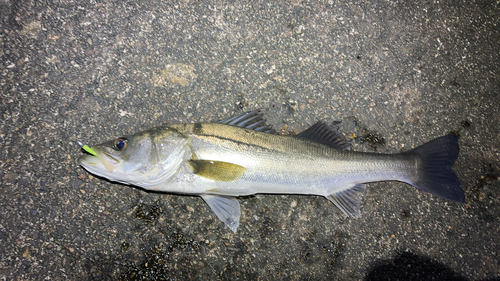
240, 156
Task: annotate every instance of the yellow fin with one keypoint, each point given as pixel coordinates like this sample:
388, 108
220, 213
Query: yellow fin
217, 170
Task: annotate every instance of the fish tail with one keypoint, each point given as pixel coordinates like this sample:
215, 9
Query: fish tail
435, 169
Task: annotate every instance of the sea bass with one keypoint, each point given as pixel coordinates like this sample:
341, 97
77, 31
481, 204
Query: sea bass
241, 156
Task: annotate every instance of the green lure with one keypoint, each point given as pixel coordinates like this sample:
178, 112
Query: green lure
86, 148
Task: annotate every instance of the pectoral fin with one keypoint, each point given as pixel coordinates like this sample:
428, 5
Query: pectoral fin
217, 170
348, 200
226, 208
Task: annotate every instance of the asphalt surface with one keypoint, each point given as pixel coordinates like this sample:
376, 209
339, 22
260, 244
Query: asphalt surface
395, 73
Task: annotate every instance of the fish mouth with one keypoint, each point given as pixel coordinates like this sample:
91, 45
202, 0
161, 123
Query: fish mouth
96, 164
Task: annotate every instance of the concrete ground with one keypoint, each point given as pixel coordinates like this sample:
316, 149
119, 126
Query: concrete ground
395, 73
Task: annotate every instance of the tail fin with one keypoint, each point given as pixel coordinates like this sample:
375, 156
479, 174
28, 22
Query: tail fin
438, 177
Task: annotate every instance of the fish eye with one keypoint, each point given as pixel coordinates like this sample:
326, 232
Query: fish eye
120, 144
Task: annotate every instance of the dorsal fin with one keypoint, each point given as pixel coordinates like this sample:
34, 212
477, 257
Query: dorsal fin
251, 120
325, 134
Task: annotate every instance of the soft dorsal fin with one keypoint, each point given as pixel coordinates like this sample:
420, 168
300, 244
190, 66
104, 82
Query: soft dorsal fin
252, 120
325, 134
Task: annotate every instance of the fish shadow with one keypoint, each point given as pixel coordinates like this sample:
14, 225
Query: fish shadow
408, 266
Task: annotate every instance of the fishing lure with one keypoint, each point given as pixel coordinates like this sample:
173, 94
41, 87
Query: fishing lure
86, 148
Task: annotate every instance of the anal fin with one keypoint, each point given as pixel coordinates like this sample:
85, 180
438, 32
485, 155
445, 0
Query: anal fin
349, 200
226, 208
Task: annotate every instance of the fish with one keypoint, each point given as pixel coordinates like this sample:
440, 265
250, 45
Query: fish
242, 155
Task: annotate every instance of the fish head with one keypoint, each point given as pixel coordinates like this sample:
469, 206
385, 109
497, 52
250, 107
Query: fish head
145, 159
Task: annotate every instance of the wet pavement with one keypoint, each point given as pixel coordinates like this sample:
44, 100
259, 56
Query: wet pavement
395, 74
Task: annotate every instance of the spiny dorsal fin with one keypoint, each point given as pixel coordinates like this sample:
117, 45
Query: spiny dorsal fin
252, 120
217, 170
325, 134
